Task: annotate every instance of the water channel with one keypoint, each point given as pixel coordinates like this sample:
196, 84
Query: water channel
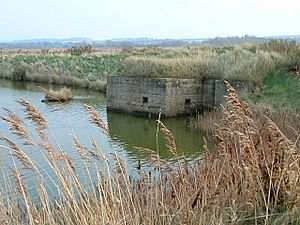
128, 133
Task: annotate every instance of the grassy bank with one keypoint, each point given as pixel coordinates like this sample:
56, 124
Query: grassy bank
251, 177
89, 69
280, 89
86, 71
249, 62
237, 64
72, 68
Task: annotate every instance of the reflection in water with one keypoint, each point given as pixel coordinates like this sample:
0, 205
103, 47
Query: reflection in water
135, 131
127, 131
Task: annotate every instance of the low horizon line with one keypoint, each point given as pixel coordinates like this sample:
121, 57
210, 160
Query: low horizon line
151, 38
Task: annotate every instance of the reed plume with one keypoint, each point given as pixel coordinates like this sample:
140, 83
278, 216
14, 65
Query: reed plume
81, 150
169, 137
96, 119
21, 186
18, 153
36, 117
251, 176
17, 126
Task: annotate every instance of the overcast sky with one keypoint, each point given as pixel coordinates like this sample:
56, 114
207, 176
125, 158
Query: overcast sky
105, 19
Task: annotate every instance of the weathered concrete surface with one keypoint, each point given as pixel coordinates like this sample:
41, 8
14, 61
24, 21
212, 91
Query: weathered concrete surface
221, 91
169, 96
182, 96
208, 93
136, 94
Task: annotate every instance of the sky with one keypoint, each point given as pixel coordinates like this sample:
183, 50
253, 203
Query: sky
107, 19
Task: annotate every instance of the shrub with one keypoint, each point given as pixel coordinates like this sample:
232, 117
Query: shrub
19, 73
80, 50
98, 85
62, 95
280, 46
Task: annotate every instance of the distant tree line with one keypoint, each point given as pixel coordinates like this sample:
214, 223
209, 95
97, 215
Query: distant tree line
137, 42
235, 40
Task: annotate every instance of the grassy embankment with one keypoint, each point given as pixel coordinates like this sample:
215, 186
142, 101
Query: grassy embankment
86, 71
252, 177
249, 62
278, 92
268, 65
72, 67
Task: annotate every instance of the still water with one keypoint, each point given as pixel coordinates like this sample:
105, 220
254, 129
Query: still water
128, 133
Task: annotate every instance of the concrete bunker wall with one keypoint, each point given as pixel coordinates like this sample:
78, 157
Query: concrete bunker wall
171, 96
214, 91
136, 94
183, 96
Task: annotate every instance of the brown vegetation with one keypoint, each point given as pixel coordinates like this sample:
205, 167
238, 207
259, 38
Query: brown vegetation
285, 119
249, 62
61, 95
80, 50
82, 66
252, 177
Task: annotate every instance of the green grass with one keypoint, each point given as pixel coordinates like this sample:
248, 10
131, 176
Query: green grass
79, 66
280, 90
250, 63
86, 71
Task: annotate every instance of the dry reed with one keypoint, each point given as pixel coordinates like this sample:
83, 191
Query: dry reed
61, 95
251, 177
96, 119
17, 126
35, 116
237, 64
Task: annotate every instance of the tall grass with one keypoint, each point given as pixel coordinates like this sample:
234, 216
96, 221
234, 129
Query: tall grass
244, 63
86, 71
238, 64
251, 177
249, 62
285, 119
61, 95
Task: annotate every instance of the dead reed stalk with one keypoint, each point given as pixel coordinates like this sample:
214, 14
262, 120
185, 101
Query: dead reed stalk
17, 126
96, 119
252, 176
36, 117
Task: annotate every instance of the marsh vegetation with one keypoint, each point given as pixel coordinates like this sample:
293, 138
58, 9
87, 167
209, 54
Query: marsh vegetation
85, 71
250, 177
249, 62
85, 67
64, 94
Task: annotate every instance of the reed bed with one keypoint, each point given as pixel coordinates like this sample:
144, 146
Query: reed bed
285, 119
249, 62
237, 64
231, 65
251, 177
61, 95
